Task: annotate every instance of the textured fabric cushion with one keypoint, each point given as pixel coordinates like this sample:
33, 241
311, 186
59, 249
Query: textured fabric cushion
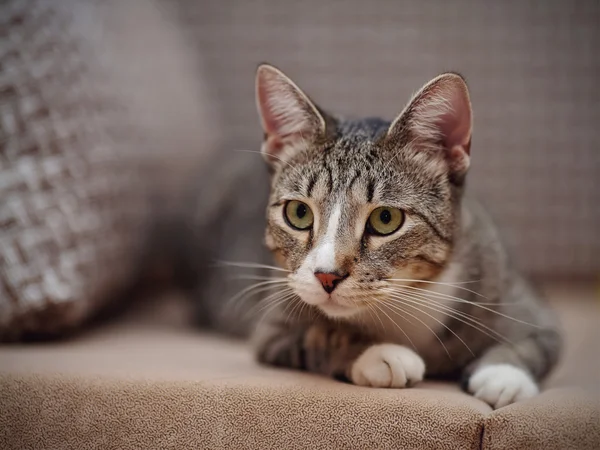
72, 201
557, 419
86, 119
235, 412
150, 382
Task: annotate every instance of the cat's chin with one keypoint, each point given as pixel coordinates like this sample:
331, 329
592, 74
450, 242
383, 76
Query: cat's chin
338, 311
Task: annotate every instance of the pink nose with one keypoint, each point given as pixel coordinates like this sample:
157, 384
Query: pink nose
329, 280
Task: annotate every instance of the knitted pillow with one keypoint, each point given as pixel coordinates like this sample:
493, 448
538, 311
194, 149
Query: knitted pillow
102, 109
72, 202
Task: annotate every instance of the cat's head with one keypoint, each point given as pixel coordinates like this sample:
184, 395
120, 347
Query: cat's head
357, 204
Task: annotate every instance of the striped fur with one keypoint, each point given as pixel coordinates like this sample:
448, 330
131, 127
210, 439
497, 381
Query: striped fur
416, 163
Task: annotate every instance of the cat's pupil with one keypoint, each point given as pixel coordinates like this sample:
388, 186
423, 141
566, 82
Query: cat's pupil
385, 216
301, 211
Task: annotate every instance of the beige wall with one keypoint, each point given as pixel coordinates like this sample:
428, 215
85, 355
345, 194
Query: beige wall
532, 66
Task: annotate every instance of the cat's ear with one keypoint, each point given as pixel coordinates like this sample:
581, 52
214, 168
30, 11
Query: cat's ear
289, 119
439, 116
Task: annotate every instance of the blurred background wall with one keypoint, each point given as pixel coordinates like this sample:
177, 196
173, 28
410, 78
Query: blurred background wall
532, 66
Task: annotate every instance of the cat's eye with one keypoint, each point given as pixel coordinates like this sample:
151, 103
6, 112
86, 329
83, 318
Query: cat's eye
385, 220
298, 215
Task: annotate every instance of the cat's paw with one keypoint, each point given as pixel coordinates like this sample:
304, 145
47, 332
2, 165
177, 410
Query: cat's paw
389, 366
502, 384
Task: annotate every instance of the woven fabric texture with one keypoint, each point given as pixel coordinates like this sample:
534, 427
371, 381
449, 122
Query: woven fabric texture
72, 204
532, 67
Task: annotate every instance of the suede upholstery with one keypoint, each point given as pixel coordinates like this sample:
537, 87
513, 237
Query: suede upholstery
149, 381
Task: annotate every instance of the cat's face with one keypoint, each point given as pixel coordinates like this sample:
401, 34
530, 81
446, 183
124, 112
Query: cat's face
357, 206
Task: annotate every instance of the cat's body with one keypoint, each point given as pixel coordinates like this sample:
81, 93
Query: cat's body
387, 272
492, 303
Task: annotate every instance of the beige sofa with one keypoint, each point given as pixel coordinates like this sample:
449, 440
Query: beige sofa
148, 380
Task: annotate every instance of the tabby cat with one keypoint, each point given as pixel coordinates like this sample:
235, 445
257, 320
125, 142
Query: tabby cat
387, 272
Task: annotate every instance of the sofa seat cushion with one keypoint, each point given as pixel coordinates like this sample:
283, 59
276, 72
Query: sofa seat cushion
148, 381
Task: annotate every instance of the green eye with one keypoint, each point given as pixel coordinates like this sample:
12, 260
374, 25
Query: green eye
298, 215
385, 220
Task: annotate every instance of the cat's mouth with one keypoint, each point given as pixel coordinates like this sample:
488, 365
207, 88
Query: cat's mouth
335, 303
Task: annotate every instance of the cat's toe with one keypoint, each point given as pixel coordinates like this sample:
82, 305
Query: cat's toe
502, 384
388, 365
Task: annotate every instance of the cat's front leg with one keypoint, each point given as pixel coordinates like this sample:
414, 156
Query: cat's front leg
502, 384
319, 347
339, 352
387, 365
507, 374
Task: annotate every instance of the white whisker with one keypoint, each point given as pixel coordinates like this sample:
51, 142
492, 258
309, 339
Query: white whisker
274, 296
378, 306
430, 294
272, 305
249, 290
258, 278
373, 313
250, 265
440, 283
462, 300
296, 301
412, 304
402, 310
453, 312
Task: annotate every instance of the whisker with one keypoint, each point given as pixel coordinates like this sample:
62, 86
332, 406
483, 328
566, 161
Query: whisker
274, 305
404, 287
412, 304
398, 308
249, 291
440, 283
296, 302
462, 300
264, 303
452, 312
378, 306
258, 278
304, 305
275, 296
373, 313
437, 302
243, 299
270, 302
369, 310
249, 265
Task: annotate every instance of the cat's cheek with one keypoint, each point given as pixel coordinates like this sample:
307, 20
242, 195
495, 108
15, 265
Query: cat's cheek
280, 259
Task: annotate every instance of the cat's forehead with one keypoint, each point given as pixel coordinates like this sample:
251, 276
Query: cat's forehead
357, 143
347, 164
357, 166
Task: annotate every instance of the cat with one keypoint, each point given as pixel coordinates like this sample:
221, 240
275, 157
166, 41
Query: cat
387, 272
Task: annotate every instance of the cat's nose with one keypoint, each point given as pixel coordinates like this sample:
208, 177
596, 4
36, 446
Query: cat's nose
329, 280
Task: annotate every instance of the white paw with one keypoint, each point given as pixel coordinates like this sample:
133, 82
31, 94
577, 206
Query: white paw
387, 365
502, 384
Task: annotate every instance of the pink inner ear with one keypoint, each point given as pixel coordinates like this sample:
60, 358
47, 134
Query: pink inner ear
269, 121
455, 125
281, 107
272, 123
